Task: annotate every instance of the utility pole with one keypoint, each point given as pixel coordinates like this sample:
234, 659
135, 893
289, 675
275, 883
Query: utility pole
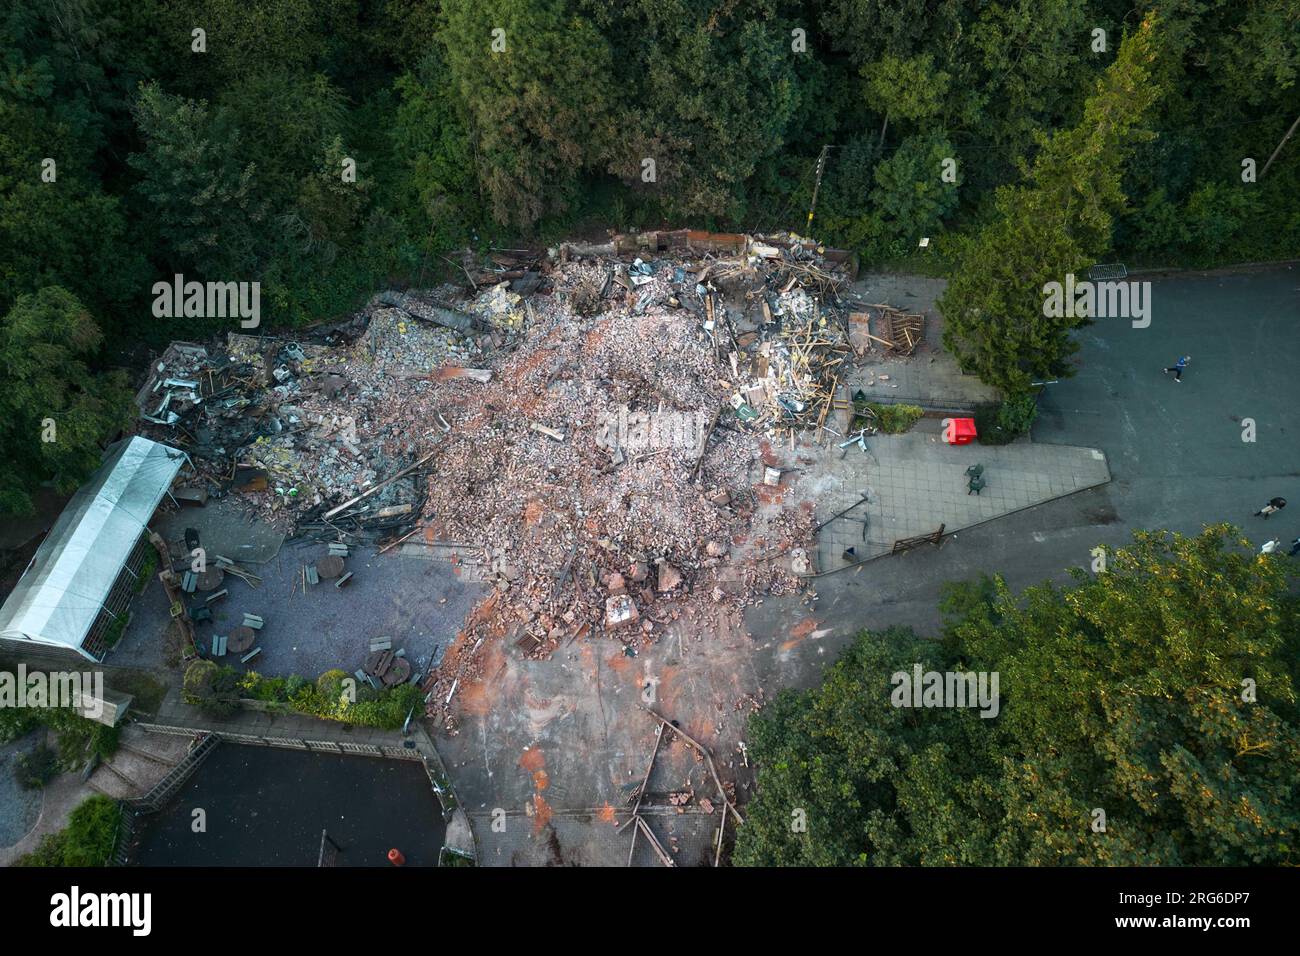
817, 185
1266, 165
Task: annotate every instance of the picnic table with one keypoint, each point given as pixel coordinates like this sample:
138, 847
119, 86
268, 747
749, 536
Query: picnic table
378, 662
210, 579
397, 672
330, 566
241, 639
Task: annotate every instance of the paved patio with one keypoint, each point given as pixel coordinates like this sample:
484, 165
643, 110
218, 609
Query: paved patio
915, 482
930, 378
419, 603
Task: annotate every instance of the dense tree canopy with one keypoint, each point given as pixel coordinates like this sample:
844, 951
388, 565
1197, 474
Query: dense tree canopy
1160, 692
1057, 222
141, 138
53, 411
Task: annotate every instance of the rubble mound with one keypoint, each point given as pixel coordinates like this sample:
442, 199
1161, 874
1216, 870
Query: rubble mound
580, 473
595, 434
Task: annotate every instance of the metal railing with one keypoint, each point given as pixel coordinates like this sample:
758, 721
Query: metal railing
156, 798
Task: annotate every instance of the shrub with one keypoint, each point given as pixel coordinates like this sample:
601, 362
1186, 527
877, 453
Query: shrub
78, 737
37, 767
895, 419
266, 689
216, 690
87, 840
16, 722
1017, 415
211, 687
1000, 423
81, 738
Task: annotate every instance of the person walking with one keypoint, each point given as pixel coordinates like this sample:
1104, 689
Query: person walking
1177, 368
1270, 546
1274, 505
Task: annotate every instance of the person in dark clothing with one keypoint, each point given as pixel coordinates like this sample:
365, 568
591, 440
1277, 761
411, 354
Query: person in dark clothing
1177, 368
1274, 504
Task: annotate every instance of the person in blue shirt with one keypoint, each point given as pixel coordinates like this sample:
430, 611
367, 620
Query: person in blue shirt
1177, 368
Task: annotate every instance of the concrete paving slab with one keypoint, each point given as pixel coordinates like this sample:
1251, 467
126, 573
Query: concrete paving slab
915, 482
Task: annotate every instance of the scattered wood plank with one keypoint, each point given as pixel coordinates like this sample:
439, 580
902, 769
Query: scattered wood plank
383, 484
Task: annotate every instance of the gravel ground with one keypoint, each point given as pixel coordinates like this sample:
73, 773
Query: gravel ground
418, 602
19, 808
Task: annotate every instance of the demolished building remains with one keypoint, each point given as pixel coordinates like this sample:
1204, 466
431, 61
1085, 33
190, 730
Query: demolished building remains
590, 431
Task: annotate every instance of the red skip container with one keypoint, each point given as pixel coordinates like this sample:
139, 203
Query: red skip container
959, 431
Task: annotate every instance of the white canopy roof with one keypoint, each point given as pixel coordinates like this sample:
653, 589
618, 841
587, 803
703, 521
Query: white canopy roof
62, 590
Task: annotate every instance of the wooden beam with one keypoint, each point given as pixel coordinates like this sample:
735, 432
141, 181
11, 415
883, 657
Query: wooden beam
383, 484
704, 752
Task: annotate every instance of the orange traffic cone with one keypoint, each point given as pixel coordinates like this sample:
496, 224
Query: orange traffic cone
395, 857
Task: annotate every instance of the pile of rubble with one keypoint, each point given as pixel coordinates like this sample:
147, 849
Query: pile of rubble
612, 473
595, 431
297, 426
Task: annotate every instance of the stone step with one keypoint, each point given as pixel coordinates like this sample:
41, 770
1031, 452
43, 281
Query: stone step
164, 748
110, 784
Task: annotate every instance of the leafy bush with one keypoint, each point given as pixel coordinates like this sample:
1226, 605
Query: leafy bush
1017, 414
211, 687
37, 768
895, 419
87, 840
216, 689
78, 737
265, 689
16, 722
1000, 423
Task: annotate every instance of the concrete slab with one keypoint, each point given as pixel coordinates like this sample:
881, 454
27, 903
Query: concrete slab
420, 604
915, 483
930, 377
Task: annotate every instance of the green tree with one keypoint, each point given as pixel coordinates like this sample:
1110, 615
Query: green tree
1160, 690
535, 103
200, 196
59, 96
1057, 222
250, 37
909, 89
716, 87
437, 188
54, 410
